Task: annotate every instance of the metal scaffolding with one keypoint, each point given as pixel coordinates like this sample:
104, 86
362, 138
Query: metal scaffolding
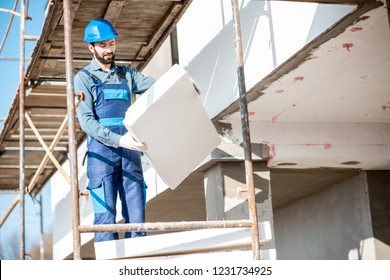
72, 101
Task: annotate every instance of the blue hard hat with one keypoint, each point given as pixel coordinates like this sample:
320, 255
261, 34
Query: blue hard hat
99, 30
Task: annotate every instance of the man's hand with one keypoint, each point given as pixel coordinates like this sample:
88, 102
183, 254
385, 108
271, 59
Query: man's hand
128, 142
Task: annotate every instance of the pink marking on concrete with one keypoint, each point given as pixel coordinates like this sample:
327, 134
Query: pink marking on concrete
274, 118
280, 91
272, 150
348, 46
385, 106
355, 29
326, 146
251, 114
272, 154
298, 79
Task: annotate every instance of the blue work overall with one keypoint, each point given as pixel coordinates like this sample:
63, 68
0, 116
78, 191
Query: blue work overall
114, 170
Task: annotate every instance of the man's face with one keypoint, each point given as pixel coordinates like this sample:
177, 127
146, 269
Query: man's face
104, 51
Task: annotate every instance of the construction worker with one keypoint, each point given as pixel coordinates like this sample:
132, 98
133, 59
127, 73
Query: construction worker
114, 162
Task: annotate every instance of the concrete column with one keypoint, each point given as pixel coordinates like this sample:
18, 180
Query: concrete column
226, 198
378, 182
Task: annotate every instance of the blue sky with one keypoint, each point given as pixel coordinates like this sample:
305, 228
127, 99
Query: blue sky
9, 81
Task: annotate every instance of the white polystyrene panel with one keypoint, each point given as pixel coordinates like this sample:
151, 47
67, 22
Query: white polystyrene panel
172, 121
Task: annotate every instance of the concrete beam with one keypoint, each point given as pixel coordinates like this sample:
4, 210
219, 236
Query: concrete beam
313, 144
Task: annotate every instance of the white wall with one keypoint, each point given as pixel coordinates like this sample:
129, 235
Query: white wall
161, 62
334, 224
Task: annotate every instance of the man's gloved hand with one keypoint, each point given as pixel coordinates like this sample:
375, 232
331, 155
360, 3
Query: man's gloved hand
127, 141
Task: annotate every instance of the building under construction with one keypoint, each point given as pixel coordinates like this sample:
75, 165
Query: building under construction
298, 91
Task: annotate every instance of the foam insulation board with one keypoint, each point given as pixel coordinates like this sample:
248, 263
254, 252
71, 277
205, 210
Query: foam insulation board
172, 121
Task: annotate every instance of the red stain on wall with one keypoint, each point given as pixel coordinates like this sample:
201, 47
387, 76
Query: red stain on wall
325, 146
271, 153
355, 29
251, 114
274, 118
298, 78
280, 91
348, 46
385, 106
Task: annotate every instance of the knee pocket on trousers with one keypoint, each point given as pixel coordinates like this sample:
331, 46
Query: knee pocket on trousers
99, 198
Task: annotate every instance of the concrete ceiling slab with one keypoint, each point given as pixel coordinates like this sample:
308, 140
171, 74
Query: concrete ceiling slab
344, 79
323, 106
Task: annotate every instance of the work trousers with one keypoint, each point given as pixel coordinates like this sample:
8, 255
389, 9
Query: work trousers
112, 172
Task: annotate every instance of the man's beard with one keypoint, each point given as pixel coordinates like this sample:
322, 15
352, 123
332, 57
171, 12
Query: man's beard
103, 60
